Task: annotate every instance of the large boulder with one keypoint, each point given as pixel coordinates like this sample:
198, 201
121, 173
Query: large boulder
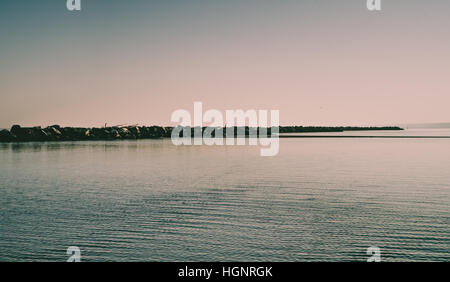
156, 132
19, 132
22, 133
37, 134
145, 132
53, 133
29, 133
167, 131
101, 133
135, 131
125, 133
56, 127
114, 133
89, 134
6, 136
73, 133
68, 133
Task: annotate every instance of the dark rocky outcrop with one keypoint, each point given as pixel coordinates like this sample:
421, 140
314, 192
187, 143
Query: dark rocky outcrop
6, 136
57, 133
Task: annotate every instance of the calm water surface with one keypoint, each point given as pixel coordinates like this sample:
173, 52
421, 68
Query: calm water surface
147, 200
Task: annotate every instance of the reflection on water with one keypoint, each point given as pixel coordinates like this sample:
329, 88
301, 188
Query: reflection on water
147, 200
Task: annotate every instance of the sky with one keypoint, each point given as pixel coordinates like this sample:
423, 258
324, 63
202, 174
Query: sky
319, 62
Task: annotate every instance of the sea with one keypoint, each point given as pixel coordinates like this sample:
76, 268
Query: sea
319, 199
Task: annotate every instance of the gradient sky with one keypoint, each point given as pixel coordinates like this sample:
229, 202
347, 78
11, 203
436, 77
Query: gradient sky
319, 62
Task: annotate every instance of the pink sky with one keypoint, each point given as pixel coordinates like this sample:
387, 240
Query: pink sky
319, 64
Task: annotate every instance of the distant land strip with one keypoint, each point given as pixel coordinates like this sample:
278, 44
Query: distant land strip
58, 133
359, 136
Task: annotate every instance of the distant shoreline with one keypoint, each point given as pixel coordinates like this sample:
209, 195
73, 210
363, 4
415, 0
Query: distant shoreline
363, 136
58, 133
